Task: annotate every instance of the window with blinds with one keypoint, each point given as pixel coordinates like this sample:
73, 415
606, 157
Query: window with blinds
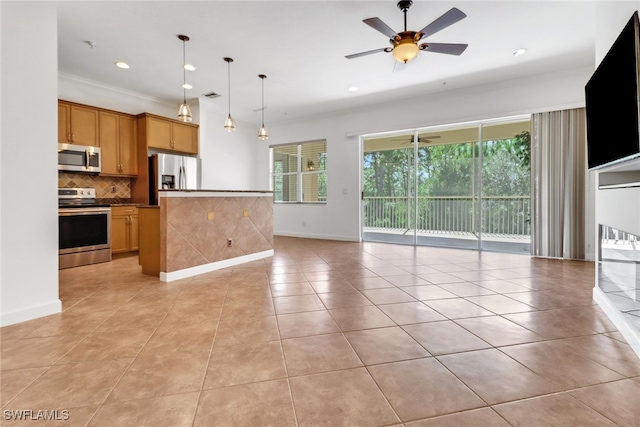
299, 172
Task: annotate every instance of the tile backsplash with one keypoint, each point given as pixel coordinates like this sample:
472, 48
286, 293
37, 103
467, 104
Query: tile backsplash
102, 184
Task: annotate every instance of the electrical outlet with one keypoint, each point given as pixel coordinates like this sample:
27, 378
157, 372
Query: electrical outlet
113, 188
229, 243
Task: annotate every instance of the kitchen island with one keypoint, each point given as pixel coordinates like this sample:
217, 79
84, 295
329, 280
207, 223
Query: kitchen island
193, 232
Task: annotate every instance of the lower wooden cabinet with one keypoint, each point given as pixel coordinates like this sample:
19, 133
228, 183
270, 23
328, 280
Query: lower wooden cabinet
149, 258
124, 229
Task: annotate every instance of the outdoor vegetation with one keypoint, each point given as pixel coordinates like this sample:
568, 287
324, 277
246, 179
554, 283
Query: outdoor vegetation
448, 185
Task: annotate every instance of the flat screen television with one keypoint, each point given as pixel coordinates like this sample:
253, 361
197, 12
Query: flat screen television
612, 97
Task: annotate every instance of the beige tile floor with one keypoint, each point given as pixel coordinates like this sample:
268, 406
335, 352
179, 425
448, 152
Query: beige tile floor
328, 333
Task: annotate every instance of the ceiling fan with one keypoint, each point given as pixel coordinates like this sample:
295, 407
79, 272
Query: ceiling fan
426, 139
405, 44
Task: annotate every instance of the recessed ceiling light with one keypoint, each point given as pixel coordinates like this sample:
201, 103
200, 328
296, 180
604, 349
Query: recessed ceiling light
122, 64
519, 52
189, 67
187, 86
353, 89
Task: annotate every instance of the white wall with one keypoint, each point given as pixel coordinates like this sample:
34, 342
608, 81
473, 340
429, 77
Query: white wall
28, 174
340, 217
228, 158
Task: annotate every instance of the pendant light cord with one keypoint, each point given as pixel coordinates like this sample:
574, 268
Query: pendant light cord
229, 83
262, 78
184, 73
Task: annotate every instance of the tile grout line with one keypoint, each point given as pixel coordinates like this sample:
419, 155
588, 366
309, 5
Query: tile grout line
284, 360
48, 368
133, 359
206, 368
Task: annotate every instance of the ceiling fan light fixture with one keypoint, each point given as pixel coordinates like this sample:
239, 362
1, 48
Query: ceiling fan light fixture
405, 50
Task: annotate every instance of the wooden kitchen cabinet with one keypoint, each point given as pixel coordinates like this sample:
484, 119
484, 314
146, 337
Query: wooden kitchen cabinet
170, 135
124, 229
185, 138
118, 144
77, 124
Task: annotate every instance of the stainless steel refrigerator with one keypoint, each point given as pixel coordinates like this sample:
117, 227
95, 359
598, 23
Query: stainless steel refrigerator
172, 172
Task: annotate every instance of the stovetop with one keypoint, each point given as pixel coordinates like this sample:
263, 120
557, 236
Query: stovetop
78, 198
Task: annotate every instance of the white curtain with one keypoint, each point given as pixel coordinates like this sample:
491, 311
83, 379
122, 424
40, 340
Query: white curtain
558, 166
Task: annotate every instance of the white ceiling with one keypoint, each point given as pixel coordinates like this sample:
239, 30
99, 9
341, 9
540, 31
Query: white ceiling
301, 47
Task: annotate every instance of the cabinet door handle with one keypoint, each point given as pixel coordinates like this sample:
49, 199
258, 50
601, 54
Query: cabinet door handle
71, 137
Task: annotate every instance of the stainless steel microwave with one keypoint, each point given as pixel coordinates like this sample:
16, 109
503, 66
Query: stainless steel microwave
78, 158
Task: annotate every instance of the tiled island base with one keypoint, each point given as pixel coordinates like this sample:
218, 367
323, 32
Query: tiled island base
195, 232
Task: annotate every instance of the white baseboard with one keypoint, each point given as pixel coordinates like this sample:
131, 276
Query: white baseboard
30, 313
206, 268
629, 332
317, 236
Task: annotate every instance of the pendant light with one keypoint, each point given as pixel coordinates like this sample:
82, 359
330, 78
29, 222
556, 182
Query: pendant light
184, 112
229, 126
262, 133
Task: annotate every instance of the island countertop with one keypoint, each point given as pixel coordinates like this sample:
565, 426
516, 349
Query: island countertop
214, 193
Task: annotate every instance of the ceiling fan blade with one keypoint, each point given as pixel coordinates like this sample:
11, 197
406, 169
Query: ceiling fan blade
369, 52
448, 48
398, 66
377, 24
448, 18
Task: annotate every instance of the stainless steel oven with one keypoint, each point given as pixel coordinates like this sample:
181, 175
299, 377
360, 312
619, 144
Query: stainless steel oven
84, 231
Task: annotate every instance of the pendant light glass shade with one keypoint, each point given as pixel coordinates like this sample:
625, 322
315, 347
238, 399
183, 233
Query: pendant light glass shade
262, 133
229, 126
184, 112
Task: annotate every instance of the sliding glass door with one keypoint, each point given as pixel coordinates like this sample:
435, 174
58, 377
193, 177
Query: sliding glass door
388, 201
463, 186
506, 187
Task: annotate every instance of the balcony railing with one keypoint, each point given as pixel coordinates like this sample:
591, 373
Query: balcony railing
503, 216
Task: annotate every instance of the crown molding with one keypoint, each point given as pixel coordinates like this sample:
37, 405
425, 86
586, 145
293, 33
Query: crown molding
110, 88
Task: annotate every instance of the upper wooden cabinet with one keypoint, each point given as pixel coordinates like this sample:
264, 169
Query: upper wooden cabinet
169, 135
77, 124
118, 144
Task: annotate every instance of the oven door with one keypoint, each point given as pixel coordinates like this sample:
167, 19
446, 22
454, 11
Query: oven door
84, 229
